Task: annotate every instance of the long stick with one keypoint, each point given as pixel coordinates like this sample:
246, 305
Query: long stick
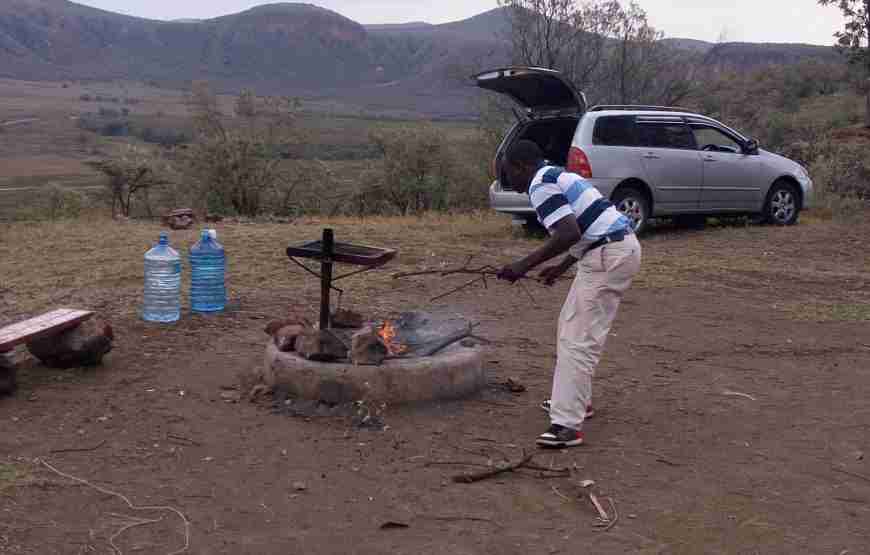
478, 476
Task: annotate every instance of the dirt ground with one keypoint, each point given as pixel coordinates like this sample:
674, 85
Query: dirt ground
732, 405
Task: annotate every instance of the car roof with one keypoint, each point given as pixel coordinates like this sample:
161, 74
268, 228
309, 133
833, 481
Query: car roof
652, 113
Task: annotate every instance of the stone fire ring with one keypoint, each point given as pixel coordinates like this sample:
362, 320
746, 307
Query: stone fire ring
454, 373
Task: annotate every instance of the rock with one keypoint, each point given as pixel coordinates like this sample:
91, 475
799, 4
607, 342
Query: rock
300, 486
366, 347
275, 325
257, 391
8, 373
183, 218
347, 319
320, 345
84, 345
285, 338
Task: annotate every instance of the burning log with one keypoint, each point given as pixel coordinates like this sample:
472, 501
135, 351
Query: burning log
389, 336
367, 348
320, 345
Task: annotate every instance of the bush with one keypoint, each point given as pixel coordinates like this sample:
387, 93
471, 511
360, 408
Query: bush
116, 128
842, 169
108, 113
62, 203
162, 136
420, 171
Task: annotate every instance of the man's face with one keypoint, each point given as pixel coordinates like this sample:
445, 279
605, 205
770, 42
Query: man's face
520, 176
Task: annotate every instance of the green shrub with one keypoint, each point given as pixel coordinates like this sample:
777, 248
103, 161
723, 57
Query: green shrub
62, 203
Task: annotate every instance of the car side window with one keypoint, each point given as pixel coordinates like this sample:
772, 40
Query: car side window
665, 134
714, 140
614, 131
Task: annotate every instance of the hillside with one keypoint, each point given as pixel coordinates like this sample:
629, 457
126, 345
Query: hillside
287, 48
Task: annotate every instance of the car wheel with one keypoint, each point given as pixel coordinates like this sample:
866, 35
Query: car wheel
533, 228
783, 205
634, 203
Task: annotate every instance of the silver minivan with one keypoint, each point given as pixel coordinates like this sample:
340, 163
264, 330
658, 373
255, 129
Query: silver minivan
651, 161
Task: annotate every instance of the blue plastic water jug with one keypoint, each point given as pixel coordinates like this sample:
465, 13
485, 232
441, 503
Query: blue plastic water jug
162, 301
208, 291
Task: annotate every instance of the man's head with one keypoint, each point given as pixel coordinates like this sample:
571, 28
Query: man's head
521, 162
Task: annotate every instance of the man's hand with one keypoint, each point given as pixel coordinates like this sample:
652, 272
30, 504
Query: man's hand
513, 272
550, 274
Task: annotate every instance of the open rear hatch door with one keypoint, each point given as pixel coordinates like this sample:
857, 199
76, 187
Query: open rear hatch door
540, 91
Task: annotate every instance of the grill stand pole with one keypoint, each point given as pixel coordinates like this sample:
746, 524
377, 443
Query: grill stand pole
327, 252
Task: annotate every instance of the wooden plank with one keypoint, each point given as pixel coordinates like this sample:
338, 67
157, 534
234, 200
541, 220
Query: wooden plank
40, 326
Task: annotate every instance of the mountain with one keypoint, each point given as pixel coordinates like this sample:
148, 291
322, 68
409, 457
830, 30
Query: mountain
291, 49
299, 43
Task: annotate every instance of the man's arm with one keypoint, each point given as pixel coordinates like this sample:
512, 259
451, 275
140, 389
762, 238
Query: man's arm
565, 234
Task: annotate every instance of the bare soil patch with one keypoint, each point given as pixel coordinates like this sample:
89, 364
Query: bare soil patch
732, 416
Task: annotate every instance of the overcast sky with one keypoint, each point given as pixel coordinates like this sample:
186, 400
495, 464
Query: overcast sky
740, 20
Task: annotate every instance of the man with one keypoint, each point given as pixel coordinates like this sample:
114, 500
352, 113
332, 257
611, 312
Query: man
590, 230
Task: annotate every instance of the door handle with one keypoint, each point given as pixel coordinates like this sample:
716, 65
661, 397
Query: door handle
651, 156
709, 159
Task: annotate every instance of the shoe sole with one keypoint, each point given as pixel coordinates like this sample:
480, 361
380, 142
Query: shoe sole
559, 444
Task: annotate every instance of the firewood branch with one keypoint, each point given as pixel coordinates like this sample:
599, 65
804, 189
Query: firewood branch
500, 469
482, 273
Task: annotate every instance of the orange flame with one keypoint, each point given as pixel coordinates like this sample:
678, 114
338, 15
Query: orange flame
387, 334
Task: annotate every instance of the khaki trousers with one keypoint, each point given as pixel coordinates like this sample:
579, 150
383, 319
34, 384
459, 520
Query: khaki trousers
603, 276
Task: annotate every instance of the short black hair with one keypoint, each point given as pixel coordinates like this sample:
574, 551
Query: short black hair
525, 152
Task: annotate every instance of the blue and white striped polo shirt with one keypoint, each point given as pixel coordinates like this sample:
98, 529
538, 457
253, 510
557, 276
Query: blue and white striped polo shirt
556, 193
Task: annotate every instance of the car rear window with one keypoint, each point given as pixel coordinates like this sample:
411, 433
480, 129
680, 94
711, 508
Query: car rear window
614, 131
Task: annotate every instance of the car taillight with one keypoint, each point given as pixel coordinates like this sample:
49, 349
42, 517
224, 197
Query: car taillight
578, 163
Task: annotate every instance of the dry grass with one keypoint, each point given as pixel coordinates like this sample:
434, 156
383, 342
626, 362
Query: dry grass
97, 263
11, 474
829, 312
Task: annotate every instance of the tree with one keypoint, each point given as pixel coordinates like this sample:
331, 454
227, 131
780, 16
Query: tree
561, 34
609, 51
854, 39
235, 165
131, 176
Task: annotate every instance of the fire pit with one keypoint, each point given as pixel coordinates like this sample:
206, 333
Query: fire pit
415, 357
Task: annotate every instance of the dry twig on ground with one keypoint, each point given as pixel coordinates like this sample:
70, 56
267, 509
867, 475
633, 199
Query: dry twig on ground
524, 463
137, 522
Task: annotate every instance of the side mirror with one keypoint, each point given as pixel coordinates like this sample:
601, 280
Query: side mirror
750, 147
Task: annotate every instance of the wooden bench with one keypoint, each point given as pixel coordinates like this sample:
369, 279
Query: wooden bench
39, 327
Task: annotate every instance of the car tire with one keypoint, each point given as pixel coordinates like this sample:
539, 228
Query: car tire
635, 204
533, 228
782, 206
